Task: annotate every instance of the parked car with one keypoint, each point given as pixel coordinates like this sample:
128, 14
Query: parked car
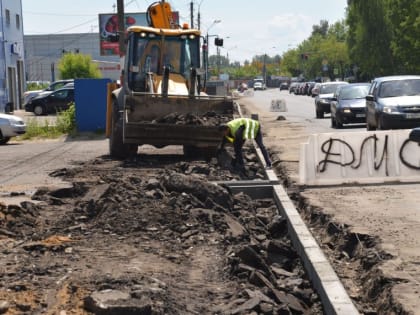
311, 85
51, 102
348, 104
10, 126
315, 89
292, 87
323, 99
393, 102
305, 88
284, 86
28, 95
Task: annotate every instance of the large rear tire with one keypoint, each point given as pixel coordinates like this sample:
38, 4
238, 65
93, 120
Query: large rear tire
117, 148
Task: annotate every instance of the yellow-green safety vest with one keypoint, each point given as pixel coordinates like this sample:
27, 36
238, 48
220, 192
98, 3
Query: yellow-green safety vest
251, 127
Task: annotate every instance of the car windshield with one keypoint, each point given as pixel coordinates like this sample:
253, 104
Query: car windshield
328, 88
354, 92
398, 88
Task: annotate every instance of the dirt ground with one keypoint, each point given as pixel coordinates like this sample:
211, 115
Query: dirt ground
371, 233
150, 235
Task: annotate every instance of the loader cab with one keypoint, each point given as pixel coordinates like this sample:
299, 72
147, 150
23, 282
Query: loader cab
154, 53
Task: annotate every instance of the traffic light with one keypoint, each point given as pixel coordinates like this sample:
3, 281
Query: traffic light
218, 41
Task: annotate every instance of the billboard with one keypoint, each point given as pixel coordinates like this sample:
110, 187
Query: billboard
108, 29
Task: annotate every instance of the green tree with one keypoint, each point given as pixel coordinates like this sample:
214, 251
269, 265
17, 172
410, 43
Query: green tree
320, 29
324, 49
405, 19
78, 66
370, 37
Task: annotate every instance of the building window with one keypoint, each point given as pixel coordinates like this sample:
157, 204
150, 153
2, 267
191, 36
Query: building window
7, 17
17, 21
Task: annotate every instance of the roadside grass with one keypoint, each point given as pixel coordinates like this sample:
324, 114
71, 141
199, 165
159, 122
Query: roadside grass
65, 124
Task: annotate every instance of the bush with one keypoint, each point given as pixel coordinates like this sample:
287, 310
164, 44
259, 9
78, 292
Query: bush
33, 86
65, 124
66, 120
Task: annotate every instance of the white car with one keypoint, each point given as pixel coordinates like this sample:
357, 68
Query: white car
259, 85
10, 126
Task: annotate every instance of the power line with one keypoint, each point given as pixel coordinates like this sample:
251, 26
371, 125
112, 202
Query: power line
78, 25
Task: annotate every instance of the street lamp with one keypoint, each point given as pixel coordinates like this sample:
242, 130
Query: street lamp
207, 47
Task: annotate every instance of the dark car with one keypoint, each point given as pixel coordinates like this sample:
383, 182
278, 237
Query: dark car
393, 102
323, 99
311, 85
28, 95
51, 102
348, 104
284, 86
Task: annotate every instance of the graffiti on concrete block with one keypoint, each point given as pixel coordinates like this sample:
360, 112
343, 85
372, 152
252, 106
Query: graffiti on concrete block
352, 159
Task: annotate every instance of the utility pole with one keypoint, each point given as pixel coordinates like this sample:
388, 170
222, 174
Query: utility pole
192, 14
264, 68
121, 27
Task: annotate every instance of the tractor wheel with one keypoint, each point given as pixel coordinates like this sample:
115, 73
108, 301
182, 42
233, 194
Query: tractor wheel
117, 148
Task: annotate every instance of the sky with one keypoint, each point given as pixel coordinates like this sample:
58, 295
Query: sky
248, 28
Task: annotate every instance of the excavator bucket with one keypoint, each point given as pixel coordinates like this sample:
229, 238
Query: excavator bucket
163, 121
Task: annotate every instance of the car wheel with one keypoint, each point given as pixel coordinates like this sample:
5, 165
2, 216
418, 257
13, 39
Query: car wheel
39, 110
338, 124
3, 140
319, 114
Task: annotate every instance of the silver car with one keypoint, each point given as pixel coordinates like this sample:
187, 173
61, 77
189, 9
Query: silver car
10, 126
393, 102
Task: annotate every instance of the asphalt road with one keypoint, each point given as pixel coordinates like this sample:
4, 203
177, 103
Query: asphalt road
388, 214
26, 165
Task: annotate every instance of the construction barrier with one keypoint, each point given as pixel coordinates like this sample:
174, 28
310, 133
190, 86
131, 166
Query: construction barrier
359, 157
278, 106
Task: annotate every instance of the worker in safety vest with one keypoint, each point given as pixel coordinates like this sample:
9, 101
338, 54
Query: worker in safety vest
237, 131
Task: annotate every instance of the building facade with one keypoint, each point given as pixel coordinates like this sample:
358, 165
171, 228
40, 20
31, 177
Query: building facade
43, 52
12, 78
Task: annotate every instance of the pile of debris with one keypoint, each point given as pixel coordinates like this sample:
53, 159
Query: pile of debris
128, 238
